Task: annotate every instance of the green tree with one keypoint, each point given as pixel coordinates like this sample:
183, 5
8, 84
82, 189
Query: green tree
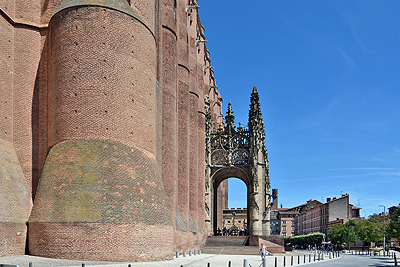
378, 227
349, 234
343, 233
373, 229
364, 231
335, 234
394, 225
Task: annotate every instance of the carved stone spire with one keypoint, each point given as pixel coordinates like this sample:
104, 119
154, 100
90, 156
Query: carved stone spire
255, 110
257, 135
229, 118
259, 157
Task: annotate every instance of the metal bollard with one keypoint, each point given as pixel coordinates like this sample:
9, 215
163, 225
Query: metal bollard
229, 264
298, 259
177, 254
245, 263
208, 264
190, 253
264, 263
199, 252
83, 265
291, 261
184, 253
304, 258
195, 252
30, 264
276, 262
314, 257
309, 258
129, 265
284, 261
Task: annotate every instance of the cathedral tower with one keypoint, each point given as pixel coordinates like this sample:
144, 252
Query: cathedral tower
100, 184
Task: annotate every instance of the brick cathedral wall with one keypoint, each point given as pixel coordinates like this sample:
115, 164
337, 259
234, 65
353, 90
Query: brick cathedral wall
193, 159
199, 50
167, 75
100, 200
195, 84
27, 57
116, 242
28, 11
39, 115
15, 202
71, 110
27, 48
98, 89
183, 118
6, 77
147, 10
183, 143
201, 181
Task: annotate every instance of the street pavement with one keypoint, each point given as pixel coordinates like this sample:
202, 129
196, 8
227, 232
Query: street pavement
214, 260
356, 260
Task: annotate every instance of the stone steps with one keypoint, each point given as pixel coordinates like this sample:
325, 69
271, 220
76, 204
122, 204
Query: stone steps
226, 241
235, 245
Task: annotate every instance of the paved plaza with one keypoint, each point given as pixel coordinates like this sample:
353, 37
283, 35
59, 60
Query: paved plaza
214, 260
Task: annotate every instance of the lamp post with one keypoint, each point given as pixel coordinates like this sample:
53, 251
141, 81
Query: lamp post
384, 234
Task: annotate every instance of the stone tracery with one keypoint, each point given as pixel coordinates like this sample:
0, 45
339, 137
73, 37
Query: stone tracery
239, 152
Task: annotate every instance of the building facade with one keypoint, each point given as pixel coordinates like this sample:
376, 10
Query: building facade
103, 108
235, 219
319, 217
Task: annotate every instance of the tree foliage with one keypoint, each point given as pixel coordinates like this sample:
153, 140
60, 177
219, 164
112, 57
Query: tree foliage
310, 239
343, 233
335, 233
373, 229
394, 225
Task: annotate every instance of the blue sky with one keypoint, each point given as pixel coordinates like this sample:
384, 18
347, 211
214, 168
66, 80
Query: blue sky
328, 75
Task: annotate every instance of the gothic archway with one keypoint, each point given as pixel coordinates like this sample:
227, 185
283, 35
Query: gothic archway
217, 178
240, 153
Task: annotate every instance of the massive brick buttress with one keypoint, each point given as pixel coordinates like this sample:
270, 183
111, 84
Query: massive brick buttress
100, 194
103, 124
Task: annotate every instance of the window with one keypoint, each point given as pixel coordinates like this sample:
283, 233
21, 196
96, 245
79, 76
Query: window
283, 222
284, 228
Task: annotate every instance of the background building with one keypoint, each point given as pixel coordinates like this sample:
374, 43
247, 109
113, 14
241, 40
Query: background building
319, 217
235, 219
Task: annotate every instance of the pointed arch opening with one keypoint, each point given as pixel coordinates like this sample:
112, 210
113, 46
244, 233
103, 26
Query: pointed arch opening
219, 184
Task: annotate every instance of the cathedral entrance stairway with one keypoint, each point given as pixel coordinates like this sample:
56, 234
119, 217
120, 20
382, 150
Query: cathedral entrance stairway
236, 245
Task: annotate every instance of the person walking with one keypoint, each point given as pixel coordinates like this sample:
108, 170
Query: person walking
263, 251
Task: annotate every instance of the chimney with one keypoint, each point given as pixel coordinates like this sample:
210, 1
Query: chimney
281, 205
328, 199
274, 199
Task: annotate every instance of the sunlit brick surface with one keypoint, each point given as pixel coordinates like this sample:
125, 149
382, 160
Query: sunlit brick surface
15, 202
100, 200
100, 87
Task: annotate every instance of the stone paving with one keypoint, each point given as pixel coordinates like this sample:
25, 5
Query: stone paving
192, 261
215, 260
